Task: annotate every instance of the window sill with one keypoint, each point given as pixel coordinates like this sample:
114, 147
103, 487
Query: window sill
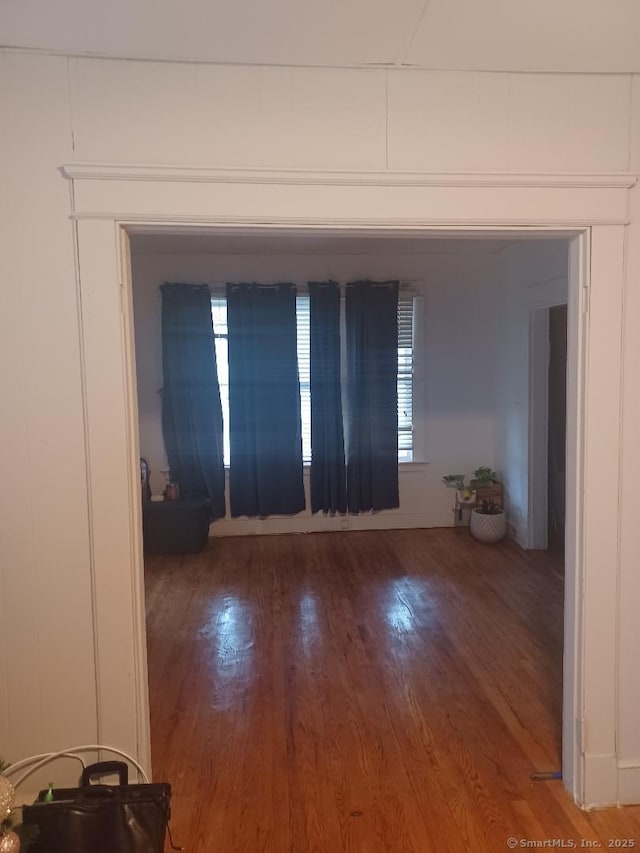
413, 466
402, 467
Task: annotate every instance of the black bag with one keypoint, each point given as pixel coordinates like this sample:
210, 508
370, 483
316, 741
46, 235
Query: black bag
119, 818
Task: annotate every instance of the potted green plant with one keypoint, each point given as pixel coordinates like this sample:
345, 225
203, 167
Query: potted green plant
488, 522
465, 493
484, 476
487, 485
481, 495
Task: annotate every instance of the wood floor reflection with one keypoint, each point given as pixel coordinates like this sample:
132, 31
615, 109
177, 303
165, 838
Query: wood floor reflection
361, 691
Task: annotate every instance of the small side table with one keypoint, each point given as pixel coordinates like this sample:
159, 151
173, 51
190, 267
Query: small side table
462, 512
175, 527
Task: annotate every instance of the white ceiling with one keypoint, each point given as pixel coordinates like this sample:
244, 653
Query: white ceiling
511, 35
211, 244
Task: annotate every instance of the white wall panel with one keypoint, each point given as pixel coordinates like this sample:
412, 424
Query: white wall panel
568, 123
47, 614
132, 111
292, 119
468, 121
137, 112
448, 121
20, 690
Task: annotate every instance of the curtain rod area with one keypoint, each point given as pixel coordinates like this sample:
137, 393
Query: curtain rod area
218, 288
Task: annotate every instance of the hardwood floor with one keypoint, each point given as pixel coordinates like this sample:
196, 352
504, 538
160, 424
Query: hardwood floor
378, 691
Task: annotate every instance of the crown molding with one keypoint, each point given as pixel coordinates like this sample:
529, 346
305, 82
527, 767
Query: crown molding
188, 174
404, 227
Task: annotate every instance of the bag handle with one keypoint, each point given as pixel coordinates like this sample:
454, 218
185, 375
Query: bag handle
102, 768
97, 793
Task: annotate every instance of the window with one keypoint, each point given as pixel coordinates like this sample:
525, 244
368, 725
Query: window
221, 339
405, 378
304, 372
405, 372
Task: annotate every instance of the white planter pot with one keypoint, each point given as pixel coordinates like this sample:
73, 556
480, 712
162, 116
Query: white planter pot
488, 528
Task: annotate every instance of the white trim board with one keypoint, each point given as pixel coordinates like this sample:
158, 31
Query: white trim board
152, 201
115, 172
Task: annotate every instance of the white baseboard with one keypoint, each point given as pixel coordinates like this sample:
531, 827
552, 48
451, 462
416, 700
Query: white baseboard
600, 781
609, 782
386, 520
629, 782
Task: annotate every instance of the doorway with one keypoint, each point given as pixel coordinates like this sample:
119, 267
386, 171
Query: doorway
547, 461
557, 429
181, 256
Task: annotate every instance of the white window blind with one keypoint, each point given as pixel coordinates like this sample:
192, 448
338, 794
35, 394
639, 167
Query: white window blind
221, 339
304, 372
405, 371
405, 378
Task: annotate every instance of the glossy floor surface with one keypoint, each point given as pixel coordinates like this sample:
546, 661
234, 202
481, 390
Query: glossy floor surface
362, 691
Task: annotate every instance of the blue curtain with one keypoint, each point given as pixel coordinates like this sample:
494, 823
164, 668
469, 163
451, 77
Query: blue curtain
191, 410
265, 474
328, 474
372, 367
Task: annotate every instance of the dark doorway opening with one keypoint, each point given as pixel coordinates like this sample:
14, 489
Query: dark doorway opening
557, 428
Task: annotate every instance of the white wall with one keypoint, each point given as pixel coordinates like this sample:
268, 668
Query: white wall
533, 276
455, 416
47, 672
57, 109
337, 119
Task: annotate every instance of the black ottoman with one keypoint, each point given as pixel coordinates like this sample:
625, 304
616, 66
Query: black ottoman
175, 527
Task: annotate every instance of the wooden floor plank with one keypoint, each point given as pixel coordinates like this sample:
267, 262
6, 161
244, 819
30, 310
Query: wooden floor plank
362, 692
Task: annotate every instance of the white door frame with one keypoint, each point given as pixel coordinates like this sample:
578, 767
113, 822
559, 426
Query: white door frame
107, 202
